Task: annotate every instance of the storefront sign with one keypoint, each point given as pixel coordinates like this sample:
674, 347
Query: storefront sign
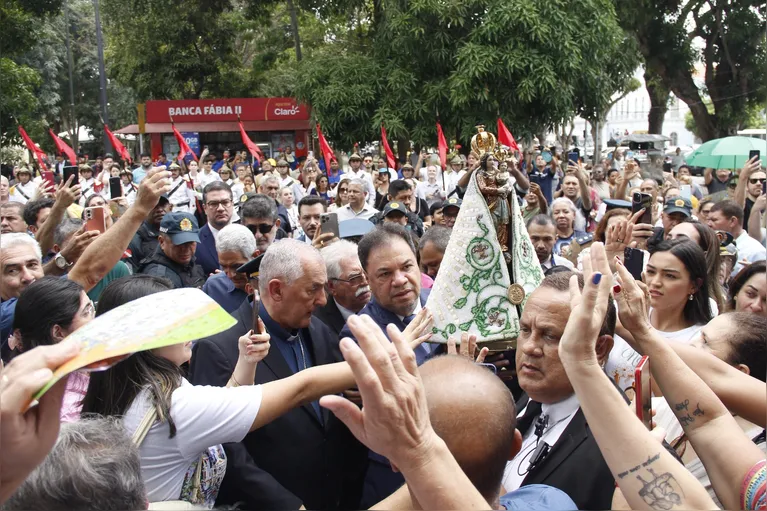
216, 110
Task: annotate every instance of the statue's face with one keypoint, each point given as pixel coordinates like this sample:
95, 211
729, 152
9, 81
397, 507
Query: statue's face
503, 166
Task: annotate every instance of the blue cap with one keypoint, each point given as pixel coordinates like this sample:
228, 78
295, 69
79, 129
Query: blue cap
180, 228
537, 497
616, 204
354, 227
452, 202
252, 267
394, 206
678, 205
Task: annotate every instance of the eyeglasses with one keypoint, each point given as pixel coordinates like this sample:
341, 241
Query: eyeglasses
343, 190
354, 280
262, 228
215, 204
757, 180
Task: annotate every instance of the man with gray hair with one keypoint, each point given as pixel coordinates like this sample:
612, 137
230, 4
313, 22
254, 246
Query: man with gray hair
347, 285
431, 249
307, 456
357, 207
94, 465
236, 246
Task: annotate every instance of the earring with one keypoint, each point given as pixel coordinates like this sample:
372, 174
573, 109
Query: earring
690, 298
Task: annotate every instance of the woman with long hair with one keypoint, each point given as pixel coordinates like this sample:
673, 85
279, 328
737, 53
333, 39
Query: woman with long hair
66, 308
707, 240
382, 189
342, 195
321, 187
184, 425
748, 290
288, 200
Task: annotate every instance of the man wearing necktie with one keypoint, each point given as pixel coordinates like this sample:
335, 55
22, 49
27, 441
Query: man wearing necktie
558, 448
306, 457
387, 254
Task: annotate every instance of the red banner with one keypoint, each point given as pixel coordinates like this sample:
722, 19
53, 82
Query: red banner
184, 148
234, 109
390, 161
253, 148
63, 148
39, 153
327, 152
441, 146
505, 137
118, 146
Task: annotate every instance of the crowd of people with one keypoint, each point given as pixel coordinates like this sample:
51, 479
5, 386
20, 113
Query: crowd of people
326, 393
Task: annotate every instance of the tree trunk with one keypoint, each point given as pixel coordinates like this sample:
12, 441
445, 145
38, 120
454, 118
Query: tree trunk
659, 95
403, 145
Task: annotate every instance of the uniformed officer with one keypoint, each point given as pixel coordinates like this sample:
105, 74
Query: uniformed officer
450, 210
25, 188
251, 270
174, 257
181, 195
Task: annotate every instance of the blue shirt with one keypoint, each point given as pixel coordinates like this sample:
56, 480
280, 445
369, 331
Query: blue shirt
222, 290
333, 179
545, 180
138, 174
535, 497
217, 166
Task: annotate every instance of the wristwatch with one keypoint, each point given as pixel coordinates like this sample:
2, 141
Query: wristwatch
61, 263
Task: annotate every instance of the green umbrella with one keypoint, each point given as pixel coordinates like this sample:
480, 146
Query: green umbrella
727, 153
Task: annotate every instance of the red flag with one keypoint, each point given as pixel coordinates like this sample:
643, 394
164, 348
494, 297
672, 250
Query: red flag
327, 152
253, 148
62, 147
118, 146
505, 137
184, 148
39, 153
390, 161
441, 146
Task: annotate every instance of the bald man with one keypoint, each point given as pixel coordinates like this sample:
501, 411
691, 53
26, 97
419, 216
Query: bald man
474, 413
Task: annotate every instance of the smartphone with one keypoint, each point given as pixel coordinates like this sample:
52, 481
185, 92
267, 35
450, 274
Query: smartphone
686, 191
310, 154
95, 219
754, 153
534, 178
48, 179
72, 170
643, 401
329, 223
641, 201
633, 260
573, 158
115, 187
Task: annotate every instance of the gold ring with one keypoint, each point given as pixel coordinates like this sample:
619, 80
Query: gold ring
322, 244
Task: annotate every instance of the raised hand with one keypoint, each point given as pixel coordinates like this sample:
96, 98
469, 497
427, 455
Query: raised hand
588, 309
254, 347
66, 194
419, 330
632, 308
156, 183
467, 349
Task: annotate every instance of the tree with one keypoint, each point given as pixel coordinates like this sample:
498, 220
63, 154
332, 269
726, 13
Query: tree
732, 57
20, 20
403, 63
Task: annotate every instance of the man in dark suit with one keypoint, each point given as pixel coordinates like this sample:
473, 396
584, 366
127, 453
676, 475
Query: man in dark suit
306, 456
218, 202
549, 412
387, 255
348, 289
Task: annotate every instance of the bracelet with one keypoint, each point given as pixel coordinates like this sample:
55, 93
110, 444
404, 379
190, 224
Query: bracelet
236, 383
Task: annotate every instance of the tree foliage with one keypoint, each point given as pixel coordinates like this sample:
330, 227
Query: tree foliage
703, 49
403, 62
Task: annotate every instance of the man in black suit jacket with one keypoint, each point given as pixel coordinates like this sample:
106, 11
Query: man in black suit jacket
551, 414
348, 289
217, 200
306, 456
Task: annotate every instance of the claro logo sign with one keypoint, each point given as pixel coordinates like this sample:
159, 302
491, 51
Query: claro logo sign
286, 110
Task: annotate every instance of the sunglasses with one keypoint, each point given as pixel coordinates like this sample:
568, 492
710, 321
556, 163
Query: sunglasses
757, 180
262, 228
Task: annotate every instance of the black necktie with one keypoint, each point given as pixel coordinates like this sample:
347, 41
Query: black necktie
532, 412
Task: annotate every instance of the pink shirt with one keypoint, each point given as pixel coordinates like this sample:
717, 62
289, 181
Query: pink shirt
426, 281
77, 386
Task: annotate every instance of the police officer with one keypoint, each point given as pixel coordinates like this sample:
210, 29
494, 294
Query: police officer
144, 242
174, 257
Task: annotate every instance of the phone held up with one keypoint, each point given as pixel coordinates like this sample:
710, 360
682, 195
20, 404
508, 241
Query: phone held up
95, 219
115, 188
48, 179
754, 153
641, 201
642, 383
329, 223
633, 260
72, 170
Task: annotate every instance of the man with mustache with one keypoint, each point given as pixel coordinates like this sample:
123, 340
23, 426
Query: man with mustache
347, 286
387, 255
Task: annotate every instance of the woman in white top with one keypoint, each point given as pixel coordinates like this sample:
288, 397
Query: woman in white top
193, 421
287, 200
677, 281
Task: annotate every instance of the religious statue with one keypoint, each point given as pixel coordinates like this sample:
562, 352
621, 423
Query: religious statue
496, 196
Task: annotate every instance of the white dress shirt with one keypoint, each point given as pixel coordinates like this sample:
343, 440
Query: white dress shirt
369, 186
749, 249
344, 311
560, 414
346, 212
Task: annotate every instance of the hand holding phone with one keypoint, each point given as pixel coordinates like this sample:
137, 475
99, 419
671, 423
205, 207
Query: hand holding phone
95, 219
329, 224
633, 260
641, 201
643, 400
